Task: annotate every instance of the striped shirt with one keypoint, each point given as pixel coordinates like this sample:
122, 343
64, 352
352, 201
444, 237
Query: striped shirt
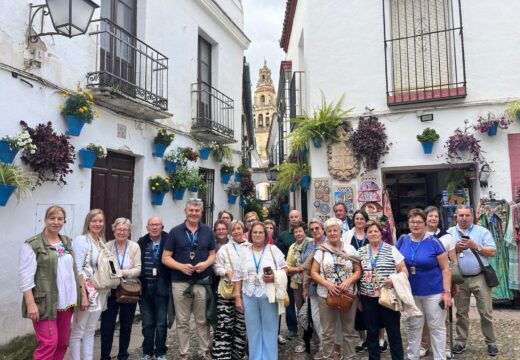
388, 258
149, 263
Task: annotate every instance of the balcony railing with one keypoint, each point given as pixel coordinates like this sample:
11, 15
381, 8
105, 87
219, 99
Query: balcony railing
126, 65
297, 95
212, 114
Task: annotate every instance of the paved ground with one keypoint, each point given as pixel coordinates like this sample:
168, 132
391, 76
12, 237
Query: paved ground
507, 325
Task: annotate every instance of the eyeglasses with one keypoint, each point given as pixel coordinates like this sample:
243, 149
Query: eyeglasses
315, 228
415, 222
154, 225
122, 230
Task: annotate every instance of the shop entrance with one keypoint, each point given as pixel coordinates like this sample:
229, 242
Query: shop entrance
444, 187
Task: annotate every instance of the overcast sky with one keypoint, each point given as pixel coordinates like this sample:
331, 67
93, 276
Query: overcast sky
263, 22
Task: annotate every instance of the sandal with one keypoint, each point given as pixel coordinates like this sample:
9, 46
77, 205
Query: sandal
281, 340
299, 348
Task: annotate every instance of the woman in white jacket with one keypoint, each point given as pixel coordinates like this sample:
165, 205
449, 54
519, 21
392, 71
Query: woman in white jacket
86, 251
229, 339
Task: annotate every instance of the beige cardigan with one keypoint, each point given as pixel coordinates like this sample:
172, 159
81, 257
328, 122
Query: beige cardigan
134, 252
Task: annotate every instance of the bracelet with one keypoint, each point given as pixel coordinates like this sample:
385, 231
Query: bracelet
446, 291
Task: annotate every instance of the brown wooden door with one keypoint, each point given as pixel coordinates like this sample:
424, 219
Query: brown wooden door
112, 188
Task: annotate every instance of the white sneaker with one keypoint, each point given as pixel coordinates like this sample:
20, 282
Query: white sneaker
423, 352
145, 357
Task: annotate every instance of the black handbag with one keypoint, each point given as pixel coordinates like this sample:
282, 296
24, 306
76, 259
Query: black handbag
489, 273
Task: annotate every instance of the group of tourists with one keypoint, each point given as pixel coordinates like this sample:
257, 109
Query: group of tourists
340, 286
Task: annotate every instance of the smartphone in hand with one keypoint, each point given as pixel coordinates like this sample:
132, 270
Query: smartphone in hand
268, 270
441, 304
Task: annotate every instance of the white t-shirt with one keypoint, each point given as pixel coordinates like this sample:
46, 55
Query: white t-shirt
334, 268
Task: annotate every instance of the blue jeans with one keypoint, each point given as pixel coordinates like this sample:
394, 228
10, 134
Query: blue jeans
290, 312
262, 332
154, 309
108, 326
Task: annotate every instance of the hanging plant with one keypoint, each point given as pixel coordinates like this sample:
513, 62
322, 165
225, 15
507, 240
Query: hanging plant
190, 154
513, 110
290, 175
79, 104
247, 186
221, 152
53, 156
462, 143
369, 142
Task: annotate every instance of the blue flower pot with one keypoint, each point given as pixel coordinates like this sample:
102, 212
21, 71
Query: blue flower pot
87, 158
238, 177
157, 198
178, 194
293, 188
427, 146
492, 131
285, 208
158, 150
6, 155
75, 125
225, 178
193, 189
243, 202
232, 198
316, 142
306, 180
170, 166
5, 192
204, 153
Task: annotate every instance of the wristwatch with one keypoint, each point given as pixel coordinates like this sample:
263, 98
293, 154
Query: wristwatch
479, 248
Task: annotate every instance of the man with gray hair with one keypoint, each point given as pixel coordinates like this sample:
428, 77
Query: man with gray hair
190, 253
472, 241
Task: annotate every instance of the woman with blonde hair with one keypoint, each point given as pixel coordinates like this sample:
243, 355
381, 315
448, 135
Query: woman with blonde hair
87, 247
50, 285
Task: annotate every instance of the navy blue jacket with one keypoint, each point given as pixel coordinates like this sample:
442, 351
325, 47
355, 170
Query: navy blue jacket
163, 282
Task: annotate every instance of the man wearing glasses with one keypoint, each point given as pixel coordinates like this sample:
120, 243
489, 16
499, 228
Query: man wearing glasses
190, 252
155, 280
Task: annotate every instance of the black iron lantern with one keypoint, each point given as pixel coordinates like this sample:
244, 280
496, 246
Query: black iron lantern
69, 17
272, 174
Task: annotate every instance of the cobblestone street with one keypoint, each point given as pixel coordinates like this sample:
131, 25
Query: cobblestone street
507, 326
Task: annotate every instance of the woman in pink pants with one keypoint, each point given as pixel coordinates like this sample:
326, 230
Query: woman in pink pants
48, 280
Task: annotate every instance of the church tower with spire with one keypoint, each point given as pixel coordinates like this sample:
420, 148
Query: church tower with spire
264, 108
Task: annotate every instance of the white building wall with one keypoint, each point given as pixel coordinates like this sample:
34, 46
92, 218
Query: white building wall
171, 28
344, 54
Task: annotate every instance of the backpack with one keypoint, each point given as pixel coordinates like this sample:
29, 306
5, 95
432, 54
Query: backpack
108, 274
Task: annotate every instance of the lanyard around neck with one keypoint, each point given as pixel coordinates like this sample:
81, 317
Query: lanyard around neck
122, 262
192, 238
373, 261
257, 264
414, 250
362, 241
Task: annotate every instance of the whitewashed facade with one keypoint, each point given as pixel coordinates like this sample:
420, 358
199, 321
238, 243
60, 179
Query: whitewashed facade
172, 28
340, 46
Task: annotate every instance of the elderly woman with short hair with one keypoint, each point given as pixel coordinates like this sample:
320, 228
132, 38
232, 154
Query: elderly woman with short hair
336, 270
128, 255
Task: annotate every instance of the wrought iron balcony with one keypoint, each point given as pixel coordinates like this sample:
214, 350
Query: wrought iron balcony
212, 114
130, 76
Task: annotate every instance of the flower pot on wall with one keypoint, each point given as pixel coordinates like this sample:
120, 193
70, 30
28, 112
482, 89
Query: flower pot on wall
6, 155
75, 125
87, 158
238, 177
427, 146
204, 153
306, 180
232, 199
157, 198
293, 188
225, 178
5, 192
178, 194
492, 131
170, 166
193, 189
285, 208
158, 150
243, 202
316, 142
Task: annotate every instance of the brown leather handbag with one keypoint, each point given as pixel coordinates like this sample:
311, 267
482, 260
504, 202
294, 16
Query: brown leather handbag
342, 302
128, 291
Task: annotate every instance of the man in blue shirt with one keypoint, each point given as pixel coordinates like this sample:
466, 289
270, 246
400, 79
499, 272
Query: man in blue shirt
189, 253
341, 212
473, 237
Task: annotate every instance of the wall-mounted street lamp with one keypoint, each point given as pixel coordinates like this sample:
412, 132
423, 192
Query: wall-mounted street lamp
272, 174
69, 17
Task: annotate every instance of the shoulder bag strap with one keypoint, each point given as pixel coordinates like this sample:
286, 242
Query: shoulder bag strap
229, 258
272, 255
478, 258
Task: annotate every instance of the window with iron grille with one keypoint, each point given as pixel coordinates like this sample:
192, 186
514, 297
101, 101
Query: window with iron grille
207, 196
424, 51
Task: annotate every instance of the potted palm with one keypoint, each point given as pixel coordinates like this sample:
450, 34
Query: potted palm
226, 170
90, 153
13, 177
513, 110
10, 145
233, 192
427, 138
161, 142
179, 181
77, 110
159, 186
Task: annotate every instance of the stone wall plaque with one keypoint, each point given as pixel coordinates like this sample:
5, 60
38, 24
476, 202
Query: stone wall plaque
343, 164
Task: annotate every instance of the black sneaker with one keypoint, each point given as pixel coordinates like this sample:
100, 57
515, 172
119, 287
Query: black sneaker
362, 345
492, 350
383, 346
459, 349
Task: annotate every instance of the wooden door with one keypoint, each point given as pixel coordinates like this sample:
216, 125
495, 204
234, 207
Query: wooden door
112, 188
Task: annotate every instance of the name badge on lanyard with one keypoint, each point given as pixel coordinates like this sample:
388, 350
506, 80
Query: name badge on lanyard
193, 243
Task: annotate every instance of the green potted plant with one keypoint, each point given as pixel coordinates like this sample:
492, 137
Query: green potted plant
174, 158
221, 152
158, 186
179, 181
161, 141
233, 192
10, 145
513, 110
290, 176
90, 153
190, 154
13, 177
226, 170
427, 138
196, 181
369, 142
205, 149
77, 110
242, 170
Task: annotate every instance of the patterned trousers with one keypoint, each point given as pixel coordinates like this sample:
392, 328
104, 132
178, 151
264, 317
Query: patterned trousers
229, 338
